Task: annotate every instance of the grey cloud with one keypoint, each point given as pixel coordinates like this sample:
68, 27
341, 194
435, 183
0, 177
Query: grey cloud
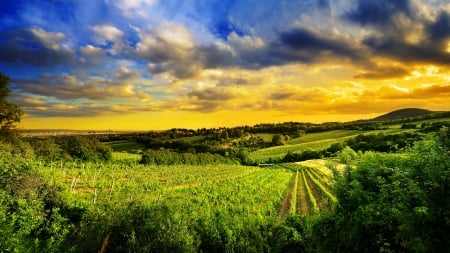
68, 87
377, 12
32, 47
383, 72
439, 31
212, 94
398, 49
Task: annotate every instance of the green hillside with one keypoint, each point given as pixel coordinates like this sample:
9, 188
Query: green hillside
404, 113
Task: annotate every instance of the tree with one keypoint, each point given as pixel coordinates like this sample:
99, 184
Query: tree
224, 134
10, 113
278, 140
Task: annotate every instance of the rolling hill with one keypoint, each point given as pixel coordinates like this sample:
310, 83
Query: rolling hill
404, 113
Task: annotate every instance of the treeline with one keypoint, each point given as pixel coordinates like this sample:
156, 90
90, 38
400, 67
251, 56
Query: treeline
61, 148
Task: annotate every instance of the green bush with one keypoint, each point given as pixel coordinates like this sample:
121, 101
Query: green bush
392, 203
86, 149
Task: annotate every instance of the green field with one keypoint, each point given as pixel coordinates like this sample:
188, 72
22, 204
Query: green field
125, 146
316, 142
236, 190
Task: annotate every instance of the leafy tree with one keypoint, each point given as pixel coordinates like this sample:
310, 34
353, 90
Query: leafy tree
299, 133
278, 140
224, 134
47, 149
347, 155
86, 149
10, 113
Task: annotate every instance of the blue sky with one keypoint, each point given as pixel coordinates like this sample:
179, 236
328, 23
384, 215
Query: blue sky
146, 64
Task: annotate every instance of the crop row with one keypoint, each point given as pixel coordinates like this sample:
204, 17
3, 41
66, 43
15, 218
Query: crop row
240, 191
313, 191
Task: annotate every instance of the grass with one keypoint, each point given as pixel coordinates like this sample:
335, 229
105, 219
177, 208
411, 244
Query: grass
316, 142
324, 135
125, 146
278, 152
126, 157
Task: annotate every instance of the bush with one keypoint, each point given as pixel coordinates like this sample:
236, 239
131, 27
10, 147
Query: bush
86, 149
391, 203
47, 150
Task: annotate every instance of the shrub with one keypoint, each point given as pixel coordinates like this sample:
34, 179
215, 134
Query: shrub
86, 149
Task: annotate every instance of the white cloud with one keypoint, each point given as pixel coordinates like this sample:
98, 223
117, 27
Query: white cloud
91, 50
49, 39
133, 7
106, 33
245, 43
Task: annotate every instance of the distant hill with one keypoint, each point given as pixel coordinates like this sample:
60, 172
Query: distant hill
404, 113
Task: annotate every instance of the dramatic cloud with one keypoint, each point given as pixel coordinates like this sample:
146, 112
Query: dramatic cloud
69, 87
35, 46
378, 12
224, 60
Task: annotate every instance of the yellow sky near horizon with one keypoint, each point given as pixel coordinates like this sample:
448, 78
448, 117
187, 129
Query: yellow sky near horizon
272, 95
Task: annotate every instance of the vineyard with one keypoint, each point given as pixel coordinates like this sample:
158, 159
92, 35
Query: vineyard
241, 191
57, 198
310, 190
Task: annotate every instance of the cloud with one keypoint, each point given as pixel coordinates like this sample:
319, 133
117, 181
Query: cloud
377, 12
70, 87
403, 51
430, 92
212, 94
37, 47
48, 39
133, 7
109, 36
92, 51
439, 31
404, 30
383, 72
306, 46
169, 48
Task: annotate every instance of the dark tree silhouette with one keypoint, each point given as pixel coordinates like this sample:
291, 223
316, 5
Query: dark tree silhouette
10, 113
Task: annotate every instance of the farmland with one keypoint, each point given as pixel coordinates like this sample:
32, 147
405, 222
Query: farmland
79, 194
315, 142
244, 190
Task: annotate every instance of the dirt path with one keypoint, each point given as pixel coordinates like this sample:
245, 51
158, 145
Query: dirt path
286, 205
302, 199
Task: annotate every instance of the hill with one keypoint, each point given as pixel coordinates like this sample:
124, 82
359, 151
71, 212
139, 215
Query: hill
404, 113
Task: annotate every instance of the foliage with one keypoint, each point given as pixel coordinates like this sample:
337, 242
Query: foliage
347, 156
166, 157
392, 205
86, 149
383, 143
10, 113
32, 214
277, 140
290, 235
47, 149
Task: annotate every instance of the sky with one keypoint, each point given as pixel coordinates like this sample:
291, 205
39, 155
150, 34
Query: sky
161, 64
